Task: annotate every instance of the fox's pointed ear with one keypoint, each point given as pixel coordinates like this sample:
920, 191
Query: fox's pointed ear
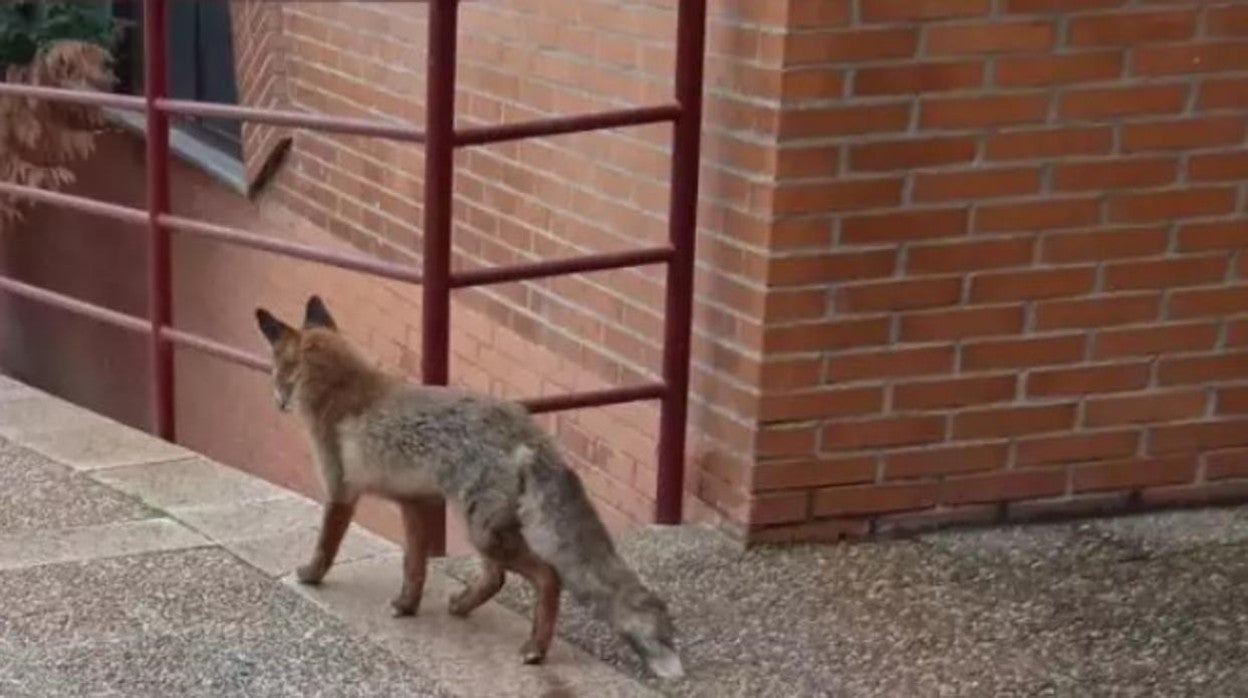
272, 328
317, 315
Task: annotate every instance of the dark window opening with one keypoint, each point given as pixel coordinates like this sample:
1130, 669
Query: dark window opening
200, 67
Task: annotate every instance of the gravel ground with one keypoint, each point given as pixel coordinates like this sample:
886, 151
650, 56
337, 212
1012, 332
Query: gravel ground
1146, 605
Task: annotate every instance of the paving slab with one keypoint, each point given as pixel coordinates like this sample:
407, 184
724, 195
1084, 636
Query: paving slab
103, 445
189, 623
476, 656
191, 483
44, 547
39, 494
23, 417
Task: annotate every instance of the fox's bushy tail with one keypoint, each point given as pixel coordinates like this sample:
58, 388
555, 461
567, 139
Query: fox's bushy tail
561, 526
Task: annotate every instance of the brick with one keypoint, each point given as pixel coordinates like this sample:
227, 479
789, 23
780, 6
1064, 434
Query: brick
983, 112
1013, 421
1131, 29
830, 531
1170, 204
1099, 311
813, 473
907, 294
1191, 58
1186, 370
1168, 406
824, 336
1195, 303
1064, 69
1223, 93
968, 255
989, 37
810, 83
841, 195
889, 363
849, 46
906, 524
1105, 378
821, 403
1157, 339
1022, 352
1165, 273
1002, 486
1036, 6
1205, 132
789, 374
1226, 492
900, 226
873, 499
954, 392
977, 184
825, 13
1133, 474
1100, 245
1061, 508
1213, 235
876, 433
910, 10
830, 268
911, 153
1237, 333
1110, 102
1226, 464
1031, 285
791, 442
1227, 21
779, 508
945, 460
829, 122
917, 77
1232, 400
1077, 448
1114, 174
961, 323
1218, 167
1049, 142
1049, 213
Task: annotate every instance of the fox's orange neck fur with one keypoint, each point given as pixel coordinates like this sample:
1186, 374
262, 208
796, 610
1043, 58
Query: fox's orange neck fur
335, 381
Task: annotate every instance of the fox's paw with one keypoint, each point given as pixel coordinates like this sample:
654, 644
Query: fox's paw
460, 605
530, 653
311, 573
405, 605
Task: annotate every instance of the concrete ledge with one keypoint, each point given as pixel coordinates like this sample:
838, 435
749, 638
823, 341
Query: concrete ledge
95, 542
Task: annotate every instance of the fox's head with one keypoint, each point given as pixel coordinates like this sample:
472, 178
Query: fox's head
288, 346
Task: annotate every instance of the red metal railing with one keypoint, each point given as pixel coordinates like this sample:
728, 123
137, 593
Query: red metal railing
440, 139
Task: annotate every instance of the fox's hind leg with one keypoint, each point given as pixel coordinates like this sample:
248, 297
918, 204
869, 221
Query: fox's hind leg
334, 523
489, 580
546, 585
415, 559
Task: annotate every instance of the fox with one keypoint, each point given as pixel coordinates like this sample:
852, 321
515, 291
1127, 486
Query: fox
526, 511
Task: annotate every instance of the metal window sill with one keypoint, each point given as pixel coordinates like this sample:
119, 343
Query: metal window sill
225, 169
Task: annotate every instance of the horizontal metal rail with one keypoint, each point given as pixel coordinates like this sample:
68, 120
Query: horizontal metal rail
595, 398
639, 116
61, 94
556, 267
237, 236
278, 117
217, 349
371, 265
64, 302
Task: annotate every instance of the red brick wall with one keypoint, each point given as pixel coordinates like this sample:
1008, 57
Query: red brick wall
1014, 243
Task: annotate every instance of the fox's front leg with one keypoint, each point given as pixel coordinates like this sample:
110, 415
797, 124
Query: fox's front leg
415, 558
334, 523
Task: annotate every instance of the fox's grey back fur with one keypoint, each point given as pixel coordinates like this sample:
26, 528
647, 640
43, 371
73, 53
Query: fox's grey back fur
497, 466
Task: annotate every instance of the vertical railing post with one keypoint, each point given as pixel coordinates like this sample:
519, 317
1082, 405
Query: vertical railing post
439, 185
160, 310
682, 232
